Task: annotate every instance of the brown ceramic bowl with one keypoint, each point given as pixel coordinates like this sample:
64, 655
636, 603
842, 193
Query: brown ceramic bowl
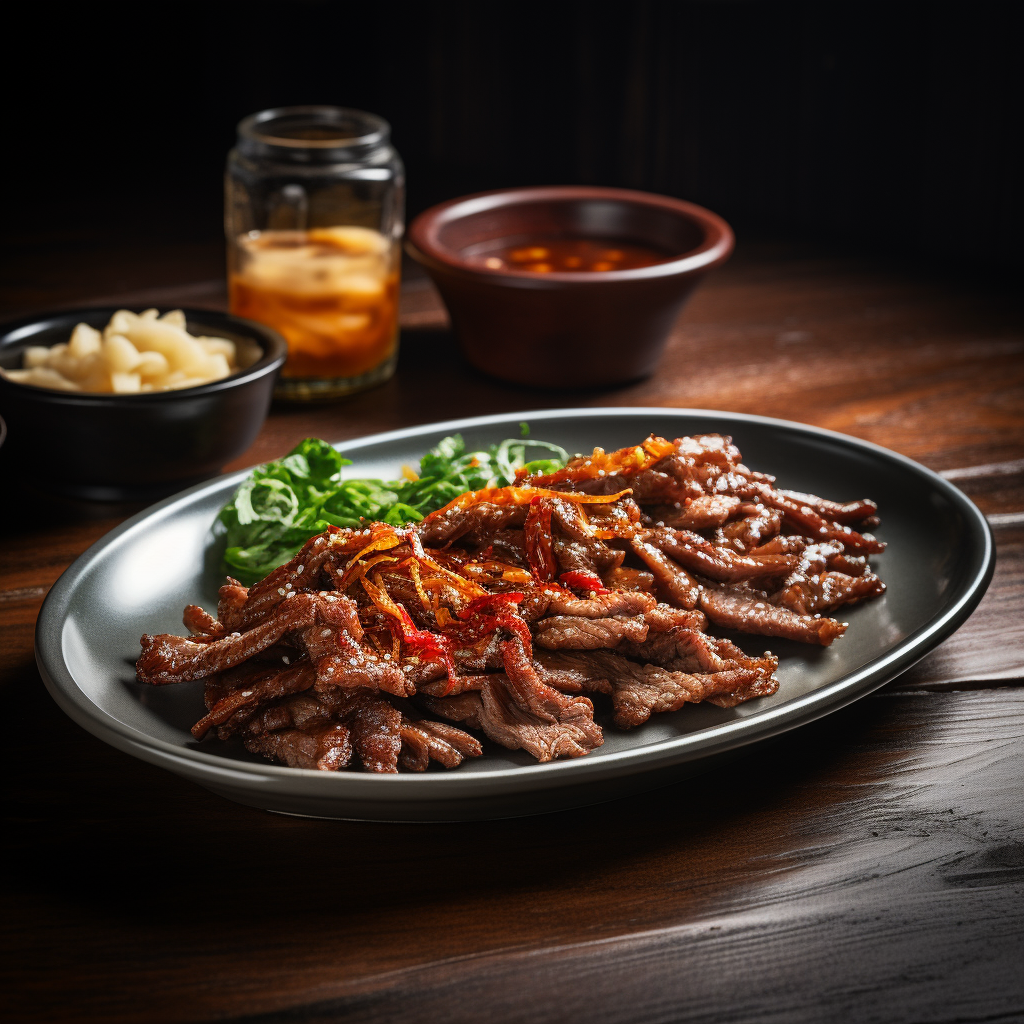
566, 329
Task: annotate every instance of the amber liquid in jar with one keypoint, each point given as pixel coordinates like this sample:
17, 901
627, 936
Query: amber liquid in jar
575, 255
332, 293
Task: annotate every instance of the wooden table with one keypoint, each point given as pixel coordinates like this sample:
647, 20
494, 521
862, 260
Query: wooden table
867, 867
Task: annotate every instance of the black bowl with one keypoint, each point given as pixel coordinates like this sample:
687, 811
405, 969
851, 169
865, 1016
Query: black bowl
117, 447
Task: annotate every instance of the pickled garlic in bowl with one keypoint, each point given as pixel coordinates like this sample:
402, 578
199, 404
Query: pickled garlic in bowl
332, 293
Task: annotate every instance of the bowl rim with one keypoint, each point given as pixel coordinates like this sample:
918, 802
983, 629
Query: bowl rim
273, 345
423, 236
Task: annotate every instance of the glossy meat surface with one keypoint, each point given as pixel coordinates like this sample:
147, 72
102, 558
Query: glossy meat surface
509, 611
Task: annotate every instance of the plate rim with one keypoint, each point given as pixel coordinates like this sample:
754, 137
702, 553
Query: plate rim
443, 787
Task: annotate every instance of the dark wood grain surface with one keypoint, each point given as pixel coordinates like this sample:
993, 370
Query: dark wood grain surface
867, 867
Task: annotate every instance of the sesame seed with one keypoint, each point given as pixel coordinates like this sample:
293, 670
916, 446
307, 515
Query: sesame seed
300, 568
286, 659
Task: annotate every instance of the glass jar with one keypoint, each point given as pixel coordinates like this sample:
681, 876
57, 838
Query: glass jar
314, 208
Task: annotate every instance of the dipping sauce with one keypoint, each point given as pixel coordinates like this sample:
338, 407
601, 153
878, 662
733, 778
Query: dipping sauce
558, 255
332, 293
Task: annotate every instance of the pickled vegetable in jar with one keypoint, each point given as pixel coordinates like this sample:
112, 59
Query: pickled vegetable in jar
314, 219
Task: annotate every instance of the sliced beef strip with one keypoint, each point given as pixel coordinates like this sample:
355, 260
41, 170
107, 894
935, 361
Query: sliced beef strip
326, 746
231, 600
589, 555
849, 565
273, 683
813, 560
425, 741
757, 526
496, 712
175, 659
375, 727
643, 690
703, 512
786, 544
627, 578
341, 661
805, 520
663, 617
477, 524
698, 555
672, 579
619, 519
828, 590
544, 601
301, 573
527, 688
640, 690
570, 672
510, 546
848, 512
690, 650
199, 621
751, 612
576, 633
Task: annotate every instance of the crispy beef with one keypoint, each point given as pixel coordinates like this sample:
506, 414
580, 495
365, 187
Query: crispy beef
827, 591
297, 575
640, 690
502, 719
175, 659
544, 601
231, 600
757, 526
323, 744
673, 581
424, 741
477, 524
272, 683
751, 612
700, 556
588, 554
848, 512
628, 578
499, 638
574, 632
663, 617
805, 520
198, 621
703, 512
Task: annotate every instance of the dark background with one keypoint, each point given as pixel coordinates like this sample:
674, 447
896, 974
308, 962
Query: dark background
887, 127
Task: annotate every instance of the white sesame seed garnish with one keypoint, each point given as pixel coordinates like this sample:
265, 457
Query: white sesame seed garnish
280, 590
286, 659
300, 568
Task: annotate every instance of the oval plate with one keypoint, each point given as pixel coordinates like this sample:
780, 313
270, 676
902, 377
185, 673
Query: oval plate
139, 577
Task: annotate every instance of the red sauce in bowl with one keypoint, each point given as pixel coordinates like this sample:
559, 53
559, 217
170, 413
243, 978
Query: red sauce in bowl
573, 255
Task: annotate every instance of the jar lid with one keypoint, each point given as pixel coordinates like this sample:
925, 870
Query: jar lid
312, 134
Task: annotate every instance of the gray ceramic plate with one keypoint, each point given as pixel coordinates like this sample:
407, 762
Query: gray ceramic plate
140, 576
